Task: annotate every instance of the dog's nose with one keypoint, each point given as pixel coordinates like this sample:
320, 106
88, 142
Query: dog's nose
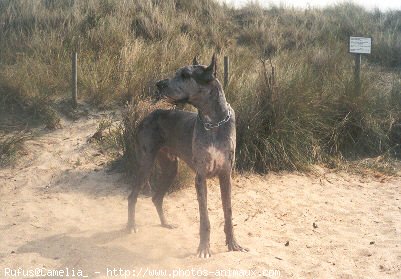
162, 84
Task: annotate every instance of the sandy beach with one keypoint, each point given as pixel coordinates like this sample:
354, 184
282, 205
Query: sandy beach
61, 210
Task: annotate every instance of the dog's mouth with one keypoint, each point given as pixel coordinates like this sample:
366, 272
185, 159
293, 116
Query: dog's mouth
181, 101
158, 96
175, 102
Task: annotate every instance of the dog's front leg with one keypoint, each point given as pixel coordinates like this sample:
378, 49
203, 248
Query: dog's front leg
201, 191
225, 188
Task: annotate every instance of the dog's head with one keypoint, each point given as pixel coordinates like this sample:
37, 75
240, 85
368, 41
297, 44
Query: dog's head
190, 84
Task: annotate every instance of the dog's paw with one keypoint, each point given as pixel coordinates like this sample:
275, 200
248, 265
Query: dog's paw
169, 226
130, 228
234, 246
204, 251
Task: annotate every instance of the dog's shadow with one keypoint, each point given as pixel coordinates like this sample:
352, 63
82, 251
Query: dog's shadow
96, 252
91, 254
92, 183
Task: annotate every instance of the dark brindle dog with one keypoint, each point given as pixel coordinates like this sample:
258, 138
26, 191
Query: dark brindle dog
204, 140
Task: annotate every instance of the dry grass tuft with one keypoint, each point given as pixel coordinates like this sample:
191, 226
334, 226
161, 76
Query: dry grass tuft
11, 145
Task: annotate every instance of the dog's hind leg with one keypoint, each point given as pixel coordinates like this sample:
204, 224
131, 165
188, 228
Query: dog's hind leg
168, 170
141, 179
132, 199
145, 159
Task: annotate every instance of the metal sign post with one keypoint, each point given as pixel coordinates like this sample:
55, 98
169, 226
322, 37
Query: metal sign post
357, 73
358, 46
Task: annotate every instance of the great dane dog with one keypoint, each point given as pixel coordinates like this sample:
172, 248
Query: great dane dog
204, 140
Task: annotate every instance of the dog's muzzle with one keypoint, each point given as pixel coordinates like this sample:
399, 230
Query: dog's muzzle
158, 94
161, 94
161, 84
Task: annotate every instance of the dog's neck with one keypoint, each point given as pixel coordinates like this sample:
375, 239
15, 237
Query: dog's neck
217, 110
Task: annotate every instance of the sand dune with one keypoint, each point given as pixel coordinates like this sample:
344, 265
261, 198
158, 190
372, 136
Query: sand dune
61, 210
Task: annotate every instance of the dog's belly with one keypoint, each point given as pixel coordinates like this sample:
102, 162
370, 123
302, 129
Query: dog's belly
211, 162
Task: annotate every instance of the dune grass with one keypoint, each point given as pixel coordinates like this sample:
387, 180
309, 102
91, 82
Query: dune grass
291, 80
11, 145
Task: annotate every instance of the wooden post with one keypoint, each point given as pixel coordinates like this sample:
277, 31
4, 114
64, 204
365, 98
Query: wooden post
226, 70
357, 74
74, 80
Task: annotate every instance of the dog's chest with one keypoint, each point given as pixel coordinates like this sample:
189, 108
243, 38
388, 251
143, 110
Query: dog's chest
213, 152
217, 157
212, 160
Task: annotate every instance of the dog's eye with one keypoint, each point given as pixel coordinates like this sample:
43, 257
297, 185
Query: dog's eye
185, 75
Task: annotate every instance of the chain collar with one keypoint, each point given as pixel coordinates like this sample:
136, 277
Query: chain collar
209, 125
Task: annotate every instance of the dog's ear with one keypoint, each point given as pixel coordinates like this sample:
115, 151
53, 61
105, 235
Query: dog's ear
195, 61
208, 74
212, 68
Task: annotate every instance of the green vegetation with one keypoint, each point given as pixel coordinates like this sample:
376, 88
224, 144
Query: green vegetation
291, 75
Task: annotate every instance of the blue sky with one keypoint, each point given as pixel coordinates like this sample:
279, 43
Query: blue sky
383, 5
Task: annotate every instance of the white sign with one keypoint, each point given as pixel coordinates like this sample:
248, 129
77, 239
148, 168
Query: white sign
360, 45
